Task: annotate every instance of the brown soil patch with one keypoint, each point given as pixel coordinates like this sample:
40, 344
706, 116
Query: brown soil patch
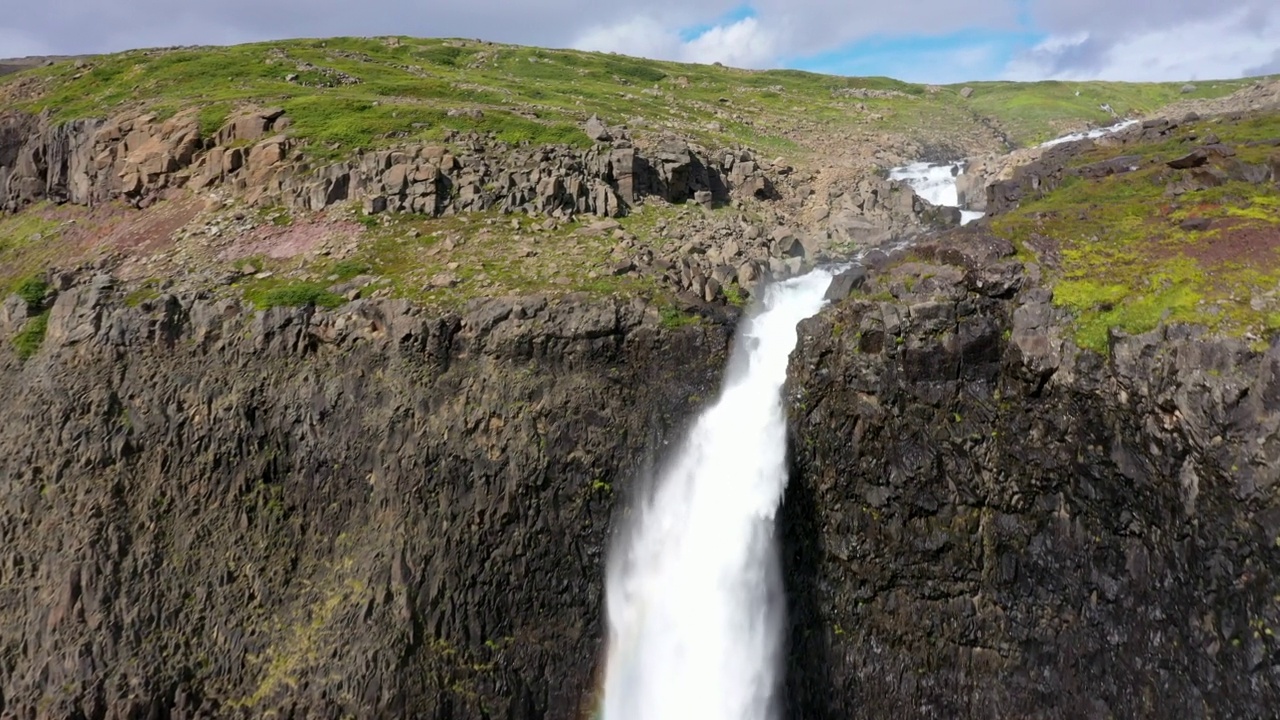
120, 228
1232, 240
304, 235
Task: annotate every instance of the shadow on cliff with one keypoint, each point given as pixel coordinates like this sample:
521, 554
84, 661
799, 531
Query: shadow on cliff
809, 684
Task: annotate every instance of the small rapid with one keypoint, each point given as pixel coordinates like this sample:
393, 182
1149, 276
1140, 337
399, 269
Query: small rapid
936, 184
695, 606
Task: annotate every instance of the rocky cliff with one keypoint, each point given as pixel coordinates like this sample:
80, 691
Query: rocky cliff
330, 505
987, 522
209, 512
372, 512
152, 197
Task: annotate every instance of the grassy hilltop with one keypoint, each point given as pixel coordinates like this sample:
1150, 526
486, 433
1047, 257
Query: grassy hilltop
1124, 250
344, 93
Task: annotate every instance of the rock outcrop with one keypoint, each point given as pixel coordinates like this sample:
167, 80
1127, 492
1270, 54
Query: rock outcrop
1206, 163
136, 158
984, 521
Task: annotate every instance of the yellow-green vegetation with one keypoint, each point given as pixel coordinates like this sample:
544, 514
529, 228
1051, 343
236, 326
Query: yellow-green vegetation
1121, 256
33, 290
148, 290
674, 318
269, 294
299, 646
28, 245
1033, 112
444, 262
733, 295
347, 93
31, 336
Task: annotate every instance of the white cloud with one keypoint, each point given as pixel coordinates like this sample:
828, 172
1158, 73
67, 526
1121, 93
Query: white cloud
640, 36
1223, 46
1094, 38
745, 43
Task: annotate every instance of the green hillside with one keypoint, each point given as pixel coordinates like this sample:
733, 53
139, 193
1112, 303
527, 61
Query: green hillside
345, 93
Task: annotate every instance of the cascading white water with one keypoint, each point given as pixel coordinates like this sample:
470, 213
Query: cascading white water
1089, 134
936, 184
694, 598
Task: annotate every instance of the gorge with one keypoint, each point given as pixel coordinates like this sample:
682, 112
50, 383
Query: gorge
289, 432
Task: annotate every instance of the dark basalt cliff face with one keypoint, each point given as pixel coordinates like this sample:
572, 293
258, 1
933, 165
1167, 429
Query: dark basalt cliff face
206, 512
984, 523
373, 512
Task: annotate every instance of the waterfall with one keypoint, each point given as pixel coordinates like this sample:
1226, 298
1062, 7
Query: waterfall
694, 595
1089, 134
936, 184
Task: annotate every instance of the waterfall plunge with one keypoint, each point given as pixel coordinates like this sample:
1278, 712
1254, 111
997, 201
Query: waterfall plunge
695, 602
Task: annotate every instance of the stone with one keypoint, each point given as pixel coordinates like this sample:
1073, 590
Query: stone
597, 130
1188, 88
711, 290
966, 92
1114, 166
1195, 224
599, 228
845, 283
268, 152
444, 280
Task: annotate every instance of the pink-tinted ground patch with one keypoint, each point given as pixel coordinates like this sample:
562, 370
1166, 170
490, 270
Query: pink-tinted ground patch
305, 235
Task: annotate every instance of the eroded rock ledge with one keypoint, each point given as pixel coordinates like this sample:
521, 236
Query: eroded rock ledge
138, 157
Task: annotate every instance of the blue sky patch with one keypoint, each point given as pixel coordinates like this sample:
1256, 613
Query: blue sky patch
738, 14
955, 57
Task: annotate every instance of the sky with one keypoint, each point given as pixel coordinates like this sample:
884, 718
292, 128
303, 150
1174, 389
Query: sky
936, 41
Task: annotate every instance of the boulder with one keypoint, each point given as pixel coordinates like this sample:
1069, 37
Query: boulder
845, 283
1114, 166
971, 190
597, 130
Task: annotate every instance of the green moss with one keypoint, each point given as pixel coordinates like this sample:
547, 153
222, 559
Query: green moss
148, 290
733, 295
1118, 257
294, 294
673, 318
29, 339
212, 117
346, 269
33, 290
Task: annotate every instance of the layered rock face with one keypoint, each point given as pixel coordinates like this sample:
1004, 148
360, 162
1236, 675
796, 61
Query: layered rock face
370, 512
138, 157
207, 512
984, 522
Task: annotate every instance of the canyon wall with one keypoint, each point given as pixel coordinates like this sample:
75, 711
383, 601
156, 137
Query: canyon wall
368, 512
